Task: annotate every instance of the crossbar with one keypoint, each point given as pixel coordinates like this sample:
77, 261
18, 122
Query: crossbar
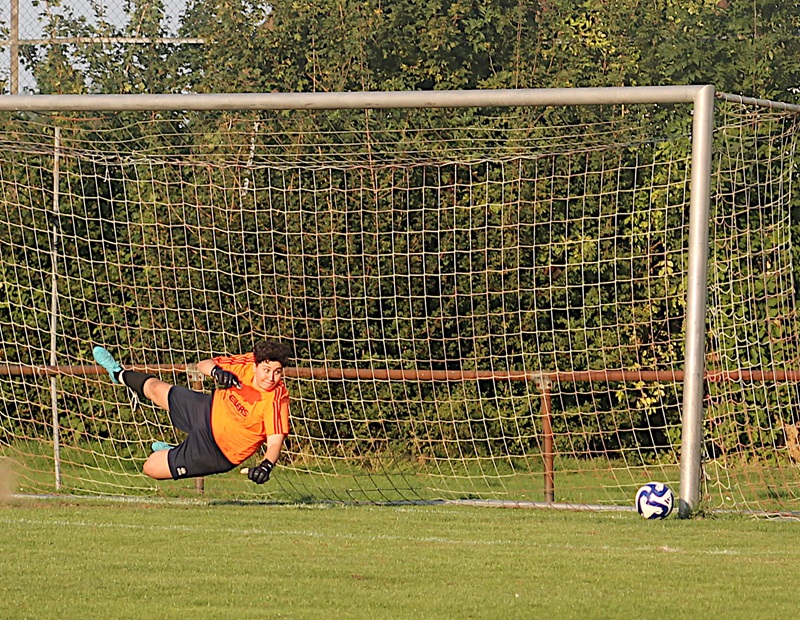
356, 100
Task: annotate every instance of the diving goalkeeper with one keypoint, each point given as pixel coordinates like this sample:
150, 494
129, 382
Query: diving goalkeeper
224, 428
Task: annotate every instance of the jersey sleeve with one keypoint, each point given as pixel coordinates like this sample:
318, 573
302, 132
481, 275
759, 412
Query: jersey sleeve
279, 425
240, 365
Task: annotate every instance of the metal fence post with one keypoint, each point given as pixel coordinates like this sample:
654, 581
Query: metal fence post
196, 381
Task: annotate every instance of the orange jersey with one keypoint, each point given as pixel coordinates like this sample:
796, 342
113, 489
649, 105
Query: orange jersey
243, 418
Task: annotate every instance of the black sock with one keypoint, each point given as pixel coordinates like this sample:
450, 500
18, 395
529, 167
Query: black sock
135, 380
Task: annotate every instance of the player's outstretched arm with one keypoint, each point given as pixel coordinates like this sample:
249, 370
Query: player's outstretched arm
261, 472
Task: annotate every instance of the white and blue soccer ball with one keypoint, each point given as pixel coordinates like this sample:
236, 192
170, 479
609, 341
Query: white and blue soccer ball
654, 500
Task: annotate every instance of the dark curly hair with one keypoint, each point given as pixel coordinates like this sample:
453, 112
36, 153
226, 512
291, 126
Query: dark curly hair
272, 351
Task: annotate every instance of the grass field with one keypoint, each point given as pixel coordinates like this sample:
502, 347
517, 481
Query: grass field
96, 471
112, 559
87, 472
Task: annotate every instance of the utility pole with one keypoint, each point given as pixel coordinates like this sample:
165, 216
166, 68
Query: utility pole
14, 44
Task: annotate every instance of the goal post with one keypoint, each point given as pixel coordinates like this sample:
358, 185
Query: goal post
492, 295
696, 287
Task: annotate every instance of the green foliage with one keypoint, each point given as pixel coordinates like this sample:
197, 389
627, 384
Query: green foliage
606, 295
481, 278
341, 45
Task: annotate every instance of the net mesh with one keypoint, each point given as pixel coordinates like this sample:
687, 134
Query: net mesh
482, 305
751, 423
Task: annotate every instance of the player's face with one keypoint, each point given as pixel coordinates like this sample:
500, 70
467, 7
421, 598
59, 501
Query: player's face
268, 375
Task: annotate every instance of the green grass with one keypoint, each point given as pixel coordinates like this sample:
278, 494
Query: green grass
102, 559
96, 470
99, 471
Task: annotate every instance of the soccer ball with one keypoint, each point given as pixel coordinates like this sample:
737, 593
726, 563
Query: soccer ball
654, 500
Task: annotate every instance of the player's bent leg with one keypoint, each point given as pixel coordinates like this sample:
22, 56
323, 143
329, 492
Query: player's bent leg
158, 392
157, 466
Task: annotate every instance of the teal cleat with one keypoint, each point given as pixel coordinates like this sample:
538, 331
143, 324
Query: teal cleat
158, 446
107, 361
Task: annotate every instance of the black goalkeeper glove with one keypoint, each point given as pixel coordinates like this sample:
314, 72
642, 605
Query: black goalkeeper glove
260, 473
225, 378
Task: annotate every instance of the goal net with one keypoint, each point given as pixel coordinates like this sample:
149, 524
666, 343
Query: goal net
752, 416
484, 305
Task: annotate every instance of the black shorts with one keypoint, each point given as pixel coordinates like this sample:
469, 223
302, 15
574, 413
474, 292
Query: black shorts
198, 454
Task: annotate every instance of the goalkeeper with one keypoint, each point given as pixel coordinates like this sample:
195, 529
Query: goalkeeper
224, 428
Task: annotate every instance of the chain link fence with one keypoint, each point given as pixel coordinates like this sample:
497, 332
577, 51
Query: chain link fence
40, 23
